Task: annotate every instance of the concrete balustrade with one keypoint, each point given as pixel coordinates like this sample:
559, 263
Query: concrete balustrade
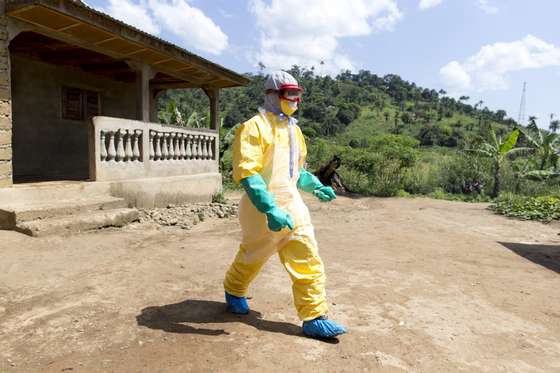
128, 149
166, 146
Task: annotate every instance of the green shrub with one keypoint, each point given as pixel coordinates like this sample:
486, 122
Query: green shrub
421, 179
384, 168
403, 193
439, 193
465, 174
528, 208
356, 181
219, 198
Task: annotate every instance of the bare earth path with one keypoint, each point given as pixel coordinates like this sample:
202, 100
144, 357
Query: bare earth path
423, 285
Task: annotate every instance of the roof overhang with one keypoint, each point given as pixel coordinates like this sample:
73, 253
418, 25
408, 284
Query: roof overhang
88, 28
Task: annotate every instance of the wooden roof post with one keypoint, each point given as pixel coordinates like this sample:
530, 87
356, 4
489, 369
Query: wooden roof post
144, 73
214, 96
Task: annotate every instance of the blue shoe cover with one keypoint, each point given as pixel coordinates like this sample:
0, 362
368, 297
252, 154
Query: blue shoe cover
322, 327
237, 305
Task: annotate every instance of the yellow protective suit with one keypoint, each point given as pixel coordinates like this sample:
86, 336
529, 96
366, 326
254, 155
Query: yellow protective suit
262, 145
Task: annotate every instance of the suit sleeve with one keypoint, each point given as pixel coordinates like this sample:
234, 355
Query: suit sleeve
247, 151
302, 148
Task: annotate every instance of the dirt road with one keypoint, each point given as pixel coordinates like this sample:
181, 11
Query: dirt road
423, 286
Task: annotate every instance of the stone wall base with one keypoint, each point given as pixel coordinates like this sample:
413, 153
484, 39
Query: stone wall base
6, 172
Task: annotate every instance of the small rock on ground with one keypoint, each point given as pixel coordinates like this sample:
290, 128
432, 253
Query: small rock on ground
185, 216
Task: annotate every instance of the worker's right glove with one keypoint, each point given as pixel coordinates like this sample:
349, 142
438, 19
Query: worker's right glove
263, 200
310, 183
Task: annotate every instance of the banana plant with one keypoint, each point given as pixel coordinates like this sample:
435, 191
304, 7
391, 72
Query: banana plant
544, 145
171, 115
196, 120
498, 151
541, 175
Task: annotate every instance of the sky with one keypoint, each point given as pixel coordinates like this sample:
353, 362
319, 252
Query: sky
484, 49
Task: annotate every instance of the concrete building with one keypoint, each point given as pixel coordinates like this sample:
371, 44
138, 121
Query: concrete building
78, 93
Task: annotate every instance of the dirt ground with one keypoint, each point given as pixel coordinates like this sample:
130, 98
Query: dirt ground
422, 285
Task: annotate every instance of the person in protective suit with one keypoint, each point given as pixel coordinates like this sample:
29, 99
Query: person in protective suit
268, 157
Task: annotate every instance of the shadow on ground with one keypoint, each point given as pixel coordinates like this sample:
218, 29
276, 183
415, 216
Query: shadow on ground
547, 256
175, 318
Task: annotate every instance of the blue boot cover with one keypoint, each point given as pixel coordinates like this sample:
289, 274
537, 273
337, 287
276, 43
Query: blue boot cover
322, 327
237, 305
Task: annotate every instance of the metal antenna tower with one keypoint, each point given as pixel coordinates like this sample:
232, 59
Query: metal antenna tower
521, 118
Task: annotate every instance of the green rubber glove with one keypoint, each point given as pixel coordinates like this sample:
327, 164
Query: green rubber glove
263, 200
310, 183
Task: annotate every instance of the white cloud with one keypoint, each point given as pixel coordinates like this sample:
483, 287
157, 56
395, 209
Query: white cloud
426, 4
177, 17
190, 24
486, 7
133, 13
310, 36
455, 77
488, 69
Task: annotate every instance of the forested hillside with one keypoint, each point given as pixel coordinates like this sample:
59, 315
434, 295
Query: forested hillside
394, 137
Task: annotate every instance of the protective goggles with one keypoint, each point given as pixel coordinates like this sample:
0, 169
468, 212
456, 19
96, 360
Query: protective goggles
291, 95
291, 92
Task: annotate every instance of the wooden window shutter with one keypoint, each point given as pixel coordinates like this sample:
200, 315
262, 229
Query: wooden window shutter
92, 104
72, 107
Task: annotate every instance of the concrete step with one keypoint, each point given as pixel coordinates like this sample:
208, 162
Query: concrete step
14, 213
53, 190
86, 221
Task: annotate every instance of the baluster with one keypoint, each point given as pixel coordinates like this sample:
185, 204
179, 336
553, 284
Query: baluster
171, 145
211, 148
165, 149
136, 147
127, 137
111, 152
158, 146
177, 146
196, 146
200, 147
182, 151
188, 152
103, 146
152, 151
120, 146
204, 152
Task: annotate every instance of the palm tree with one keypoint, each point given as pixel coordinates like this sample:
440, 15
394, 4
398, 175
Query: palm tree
532, 121
552, 125
544, 144
498, 151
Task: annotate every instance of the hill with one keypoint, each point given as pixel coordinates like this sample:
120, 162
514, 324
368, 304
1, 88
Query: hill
393, 136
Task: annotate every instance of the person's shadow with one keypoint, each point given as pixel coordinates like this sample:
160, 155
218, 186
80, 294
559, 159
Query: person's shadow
175, 318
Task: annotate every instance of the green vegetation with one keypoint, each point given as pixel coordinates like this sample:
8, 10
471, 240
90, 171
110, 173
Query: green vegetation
528, 208
497, 150
219, 198
394, 137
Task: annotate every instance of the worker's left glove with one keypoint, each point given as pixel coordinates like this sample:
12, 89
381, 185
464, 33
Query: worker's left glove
310, 183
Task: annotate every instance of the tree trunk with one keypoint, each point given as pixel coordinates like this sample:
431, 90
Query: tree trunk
497, 180
543, 163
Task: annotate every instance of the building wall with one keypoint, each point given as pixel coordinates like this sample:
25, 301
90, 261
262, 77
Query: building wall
5, 105
45, 146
